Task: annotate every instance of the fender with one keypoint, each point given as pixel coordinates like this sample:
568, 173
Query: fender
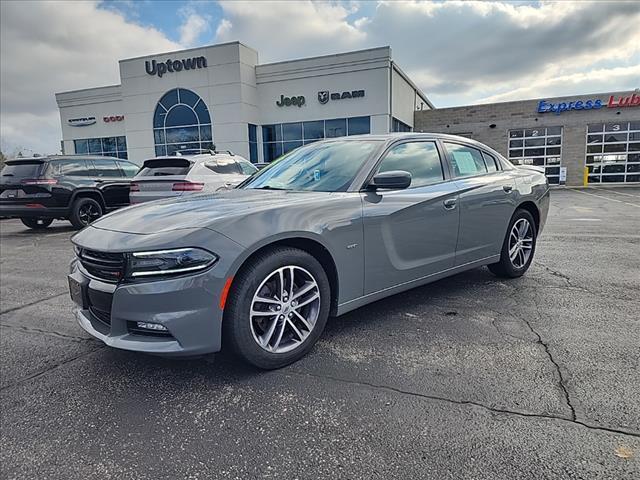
91, 190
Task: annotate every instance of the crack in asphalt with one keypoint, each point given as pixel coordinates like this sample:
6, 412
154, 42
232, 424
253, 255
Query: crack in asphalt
30, 304
49, 369
46, 332
463, 402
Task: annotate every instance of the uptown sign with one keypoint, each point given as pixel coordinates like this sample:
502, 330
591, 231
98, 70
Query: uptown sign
153, 68
622, 101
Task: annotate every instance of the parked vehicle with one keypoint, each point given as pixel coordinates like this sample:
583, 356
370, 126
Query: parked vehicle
78, 188
327, 228
175, 176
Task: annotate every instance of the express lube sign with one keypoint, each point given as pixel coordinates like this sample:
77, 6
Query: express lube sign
160, 68
614, 101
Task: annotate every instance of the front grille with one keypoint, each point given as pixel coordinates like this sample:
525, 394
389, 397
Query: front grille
105, 266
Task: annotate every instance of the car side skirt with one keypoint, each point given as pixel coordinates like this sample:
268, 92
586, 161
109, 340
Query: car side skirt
402, 287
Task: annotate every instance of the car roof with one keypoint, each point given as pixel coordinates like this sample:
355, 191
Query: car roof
200, 157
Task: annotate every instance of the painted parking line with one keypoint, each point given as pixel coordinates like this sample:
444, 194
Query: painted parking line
606, 198
621, 193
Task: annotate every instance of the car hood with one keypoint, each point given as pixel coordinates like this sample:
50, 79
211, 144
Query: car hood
200, 210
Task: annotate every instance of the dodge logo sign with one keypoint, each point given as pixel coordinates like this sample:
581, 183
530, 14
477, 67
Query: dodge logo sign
113, 118
323, 96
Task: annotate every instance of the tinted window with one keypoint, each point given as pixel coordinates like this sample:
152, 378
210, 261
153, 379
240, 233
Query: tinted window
492, 165
15, 170
223, 166
77, 168
359, 125
420, 159
129, 169
106, 168
466, 161
164, 167
324, 167
336, 127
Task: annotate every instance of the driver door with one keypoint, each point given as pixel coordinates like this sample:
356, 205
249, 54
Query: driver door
410, 233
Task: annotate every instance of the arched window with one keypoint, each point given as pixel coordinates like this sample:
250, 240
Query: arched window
181, 121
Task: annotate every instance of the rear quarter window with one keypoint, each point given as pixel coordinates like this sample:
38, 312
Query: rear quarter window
223, 166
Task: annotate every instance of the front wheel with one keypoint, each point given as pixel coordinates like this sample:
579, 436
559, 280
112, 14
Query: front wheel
277, 308
36, 223
518, 247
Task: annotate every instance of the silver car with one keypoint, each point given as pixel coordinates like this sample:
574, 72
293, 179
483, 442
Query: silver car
325, 229
176, 176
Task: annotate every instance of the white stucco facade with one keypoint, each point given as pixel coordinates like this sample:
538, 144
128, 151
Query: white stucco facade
239, 92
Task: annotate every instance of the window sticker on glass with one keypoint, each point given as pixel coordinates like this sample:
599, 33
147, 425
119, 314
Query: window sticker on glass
464, 161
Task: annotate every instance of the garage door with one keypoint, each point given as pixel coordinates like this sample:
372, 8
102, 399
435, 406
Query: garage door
613, 152
538, 146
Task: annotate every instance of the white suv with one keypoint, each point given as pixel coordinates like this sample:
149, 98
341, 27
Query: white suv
175, 176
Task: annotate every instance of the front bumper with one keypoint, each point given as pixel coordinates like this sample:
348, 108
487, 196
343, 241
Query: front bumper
186, 306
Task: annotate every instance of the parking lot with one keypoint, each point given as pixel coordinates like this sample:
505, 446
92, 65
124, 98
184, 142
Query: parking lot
469, 377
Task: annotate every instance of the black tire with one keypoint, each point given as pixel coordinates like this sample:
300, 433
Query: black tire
36, 223
238, 334
84, 211
505, 267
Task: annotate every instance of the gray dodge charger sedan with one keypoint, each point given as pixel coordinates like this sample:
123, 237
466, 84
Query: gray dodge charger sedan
327, 228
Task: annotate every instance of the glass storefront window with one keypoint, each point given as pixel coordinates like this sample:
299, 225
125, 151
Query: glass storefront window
283, 137
106, 146
181, 121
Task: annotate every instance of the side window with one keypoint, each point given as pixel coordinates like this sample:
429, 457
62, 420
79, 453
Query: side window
466, 161
223, 166
490, 161
75, 168
129, 169
420, 159
106, 168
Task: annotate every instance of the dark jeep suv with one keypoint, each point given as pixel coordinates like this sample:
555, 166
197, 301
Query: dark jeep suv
79, 188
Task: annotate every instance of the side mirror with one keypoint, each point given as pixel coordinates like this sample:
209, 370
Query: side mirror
394, 180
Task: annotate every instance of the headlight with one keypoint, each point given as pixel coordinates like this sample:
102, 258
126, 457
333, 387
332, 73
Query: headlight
169, 262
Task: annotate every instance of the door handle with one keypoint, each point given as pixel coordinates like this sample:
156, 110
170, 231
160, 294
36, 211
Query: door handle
449, 203
507, 188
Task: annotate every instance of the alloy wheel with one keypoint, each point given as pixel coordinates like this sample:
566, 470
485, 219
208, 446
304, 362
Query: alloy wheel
284, 309
520, 243
88, 213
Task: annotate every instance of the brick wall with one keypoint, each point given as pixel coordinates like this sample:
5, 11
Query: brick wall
474, 121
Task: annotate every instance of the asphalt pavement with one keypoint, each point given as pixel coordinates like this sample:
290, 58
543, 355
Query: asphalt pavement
471, 377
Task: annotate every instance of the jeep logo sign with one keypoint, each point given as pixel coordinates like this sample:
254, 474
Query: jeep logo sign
288, 101
153, 68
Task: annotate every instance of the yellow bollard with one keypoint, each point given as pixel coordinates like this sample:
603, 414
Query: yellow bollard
585, 177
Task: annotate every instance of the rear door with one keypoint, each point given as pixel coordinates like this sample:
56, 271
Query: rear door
112, 182
485, 199
160, 178
410, 233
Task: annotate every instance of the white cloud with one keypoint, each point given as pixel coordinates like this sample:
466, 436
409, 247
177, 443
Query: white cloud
193, 27
49, 47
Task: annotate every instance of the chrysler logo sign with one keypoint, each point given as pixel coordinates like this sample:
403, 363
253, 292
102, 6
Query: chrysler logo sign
81, 121
325, 95
153, 68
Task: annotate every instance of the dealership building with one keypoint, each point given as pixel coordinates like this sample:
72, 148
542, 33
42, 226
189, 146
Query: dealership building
221, 95
578, 139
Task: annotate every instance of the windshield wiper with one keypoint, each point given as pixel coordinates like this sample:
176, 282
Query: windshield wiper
269, 187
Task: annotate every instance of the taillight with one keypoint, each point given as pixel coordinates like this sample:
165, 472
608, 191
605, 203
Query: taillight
187, 187
134, 187
39, 181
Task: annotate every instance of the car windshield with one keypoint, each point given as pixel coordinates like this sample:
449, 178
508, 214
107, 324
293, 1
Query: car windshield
322, 167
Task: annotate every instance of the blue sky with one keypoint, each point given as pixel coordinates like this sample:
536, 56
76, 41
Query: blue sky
457, 52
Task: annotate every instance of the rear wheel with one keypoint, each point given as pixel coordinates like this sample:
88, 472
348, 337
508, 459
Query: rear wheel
84, 211
278, 308
518, 247
37, 223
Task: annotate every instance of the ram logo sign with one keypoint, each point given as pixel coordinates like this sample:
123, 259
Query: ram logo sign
160, 68
324, 95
